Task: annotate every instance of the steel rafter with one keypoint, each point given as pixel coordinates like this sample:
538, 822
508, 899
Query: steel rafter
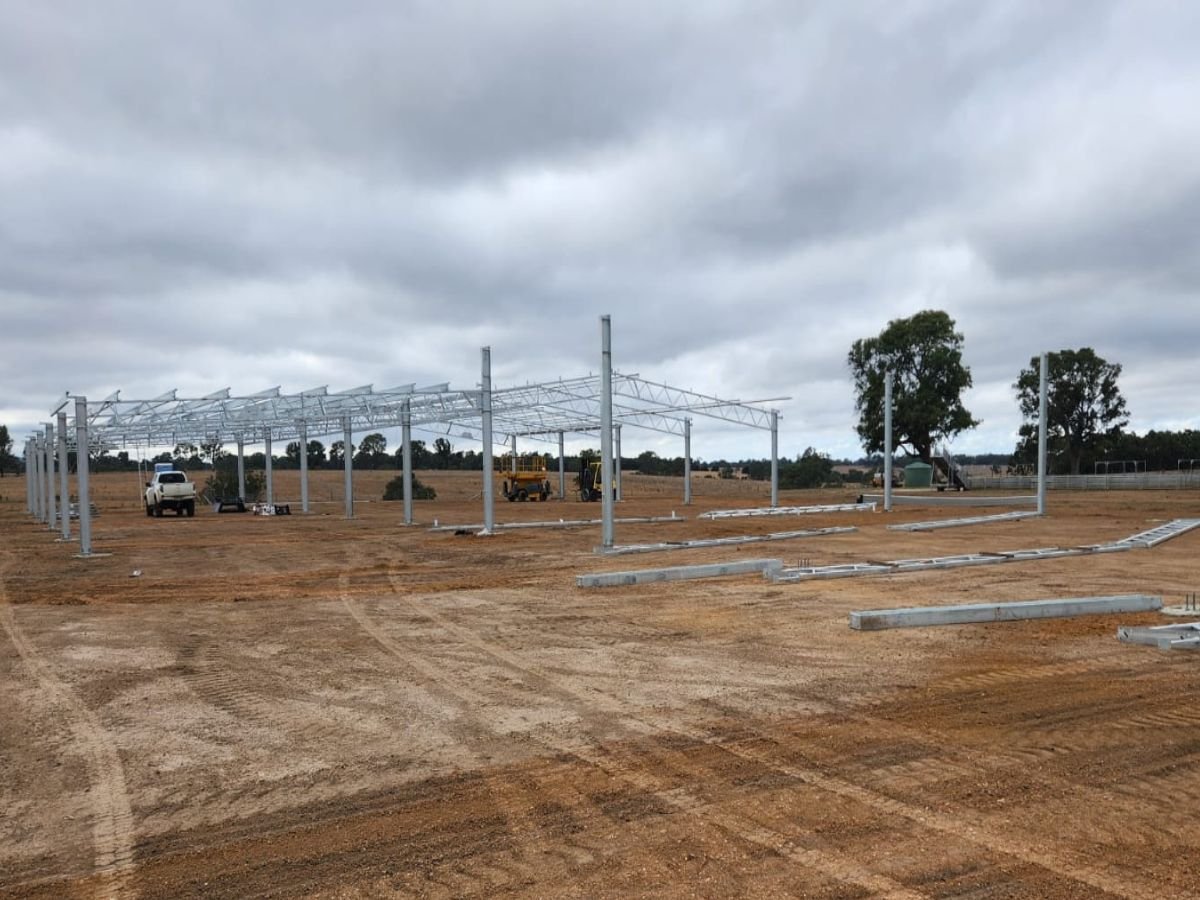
534, 410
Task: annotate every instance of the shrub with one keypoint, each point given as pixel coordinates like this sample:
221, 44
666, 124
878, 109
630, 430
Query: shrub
395, 489
223, 485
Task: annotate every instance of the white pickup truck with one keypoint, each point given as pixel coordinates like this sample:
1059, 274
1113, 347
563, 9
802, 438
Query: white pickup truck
170, 490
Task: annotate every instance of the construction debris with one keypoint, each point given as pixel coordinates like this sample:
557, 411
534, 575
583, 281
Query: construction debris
968, 613
1164, 637
271, 509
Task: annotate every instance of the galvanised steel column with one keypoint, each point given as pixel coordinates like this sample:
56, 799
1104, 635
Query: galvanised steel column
270, 467
687, 462
774, 458
348, 463
406, 459
617, 458
562, 470
241, 467
81, 468
606, 432
1043, 403
30, 478
887, 441
64, 494
36, 477
302, 433
39, 474
485, 416
51, 517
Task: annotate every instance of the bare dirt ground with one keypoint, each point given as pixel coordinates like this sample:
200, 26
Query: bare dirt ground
316, 706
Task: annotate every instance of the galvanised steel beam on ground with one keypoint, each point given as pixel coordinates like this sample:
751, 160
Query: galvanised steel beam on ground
968, 520
787, 510
563, 523
736, 540
1157, 535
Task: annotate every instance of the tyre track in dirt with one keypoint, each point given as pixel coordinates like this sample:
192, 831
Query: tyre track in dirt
113, 827
964, 824
634, 772
1155, 774
511, 801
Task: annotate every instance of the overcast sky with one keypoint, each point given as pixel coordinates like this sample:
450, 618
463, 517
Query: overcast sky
197, 196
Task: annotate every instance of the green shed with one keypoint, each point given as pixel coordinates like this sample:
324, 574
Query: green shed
918, 474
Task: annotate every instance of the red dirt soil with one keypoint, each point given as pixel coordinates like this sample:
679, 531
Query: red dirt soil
309, 705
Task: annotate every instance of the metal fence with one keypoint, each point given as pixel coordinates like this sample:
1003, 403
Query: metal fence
1140, 481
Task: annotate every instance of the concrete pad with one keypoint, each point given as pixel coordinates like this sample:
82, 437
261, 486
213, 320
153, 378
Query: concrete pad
969, 613
677, 573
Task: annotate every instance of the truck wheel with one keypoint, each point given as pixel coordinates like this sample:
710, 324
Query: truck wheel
149, 511
157, 511
522, 495
178, 511
190, 509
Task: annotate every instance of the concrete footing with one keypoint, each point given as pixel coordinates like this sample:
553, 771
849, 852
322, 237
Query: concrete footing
676, 573
919, 616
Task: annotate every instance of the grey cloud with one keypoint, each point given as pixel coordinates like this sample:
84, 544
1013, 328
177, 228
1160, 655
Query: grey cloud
344, 195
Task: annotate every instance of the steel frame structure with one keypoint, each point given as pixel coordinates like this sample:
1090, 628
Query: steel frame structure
604, 402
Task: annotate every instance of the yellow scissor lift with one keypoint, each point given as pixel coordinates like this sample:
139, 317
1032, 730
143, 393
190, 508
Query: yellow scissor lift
526, 479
